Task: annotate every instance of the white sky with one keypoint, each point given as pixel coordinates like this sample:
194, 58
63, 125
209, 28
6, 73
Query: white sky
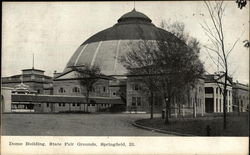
54, 30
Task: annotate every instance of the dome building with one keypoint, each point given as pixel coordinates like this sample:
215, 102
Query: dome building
104, 49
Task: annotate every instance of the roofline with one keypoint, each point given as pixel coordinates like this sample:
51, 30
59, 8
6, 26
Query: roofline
105, 78
63, 73
33, 69
241, 88
18, 75
219, 83
27, 82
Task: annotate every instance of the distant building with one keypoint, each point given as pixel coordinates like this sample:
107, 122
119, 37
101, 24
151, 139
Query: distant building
34, 78
240, 97
214, 93
65, 84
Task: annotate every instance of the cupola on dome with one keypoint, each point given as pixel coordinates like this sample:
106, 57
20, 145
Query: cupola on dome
134, 15
106, 47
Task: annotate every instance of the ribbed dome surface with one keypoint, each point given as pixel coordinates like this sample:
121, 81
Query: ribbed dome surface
105, 47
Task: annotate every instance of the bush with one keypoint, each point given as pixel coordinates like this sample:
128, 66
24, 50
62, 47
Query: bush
117, 108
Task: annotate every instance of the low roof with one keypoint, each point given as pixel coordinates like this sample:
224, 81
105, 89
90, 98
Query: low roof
64, 99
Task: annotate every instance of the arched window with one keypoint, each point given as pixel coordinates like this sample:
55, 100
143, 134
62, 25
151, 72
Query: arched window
61, 90
75, 90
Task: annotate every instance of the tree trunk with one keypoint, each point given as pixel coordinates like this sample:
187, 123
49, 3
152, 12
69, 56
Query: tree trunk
87, 101
224, 103
194, 110
202, 109
179, 109
238, 104
152, 105
194, 104
167, 111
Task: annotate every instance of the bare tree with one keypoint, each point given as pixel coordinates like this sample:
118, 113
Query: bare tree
87, 76
140, 63
178, 29
215, 32
165, 65
179, 66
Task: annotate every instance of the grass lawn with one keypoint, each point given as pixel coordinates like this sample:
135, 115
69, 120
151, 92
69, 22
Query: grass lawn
236, 125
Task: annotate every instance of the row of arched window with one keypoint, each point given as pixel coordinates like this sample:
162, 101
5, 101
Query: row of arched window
74, 90
77, 90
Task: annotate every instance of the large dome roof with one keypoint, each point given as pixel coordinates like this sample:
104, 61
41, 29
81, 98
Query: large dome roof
105, 47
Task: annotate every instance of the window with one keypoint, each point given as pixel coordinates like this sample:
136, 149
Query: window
78, 104
104, 89
61, 90
114, 93
93, 104
59, 104
209, 90
64, 104
216, 90
47, 104
75, 90
73, 104
136, 87
133, 101
138, 101
88, 105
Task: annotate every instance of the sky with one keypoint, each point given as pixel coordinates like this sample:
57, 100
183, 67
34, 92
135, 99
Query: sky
54, 30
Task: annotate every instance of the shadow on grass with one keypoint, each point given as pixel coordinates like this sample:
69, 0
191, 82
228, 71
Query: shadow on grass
237, 125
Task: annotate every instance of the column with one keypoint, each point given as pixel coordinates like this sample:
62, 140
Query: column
214, 89
202, 107
221, 102
175, 110
183, 110
228, 106
218, 103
